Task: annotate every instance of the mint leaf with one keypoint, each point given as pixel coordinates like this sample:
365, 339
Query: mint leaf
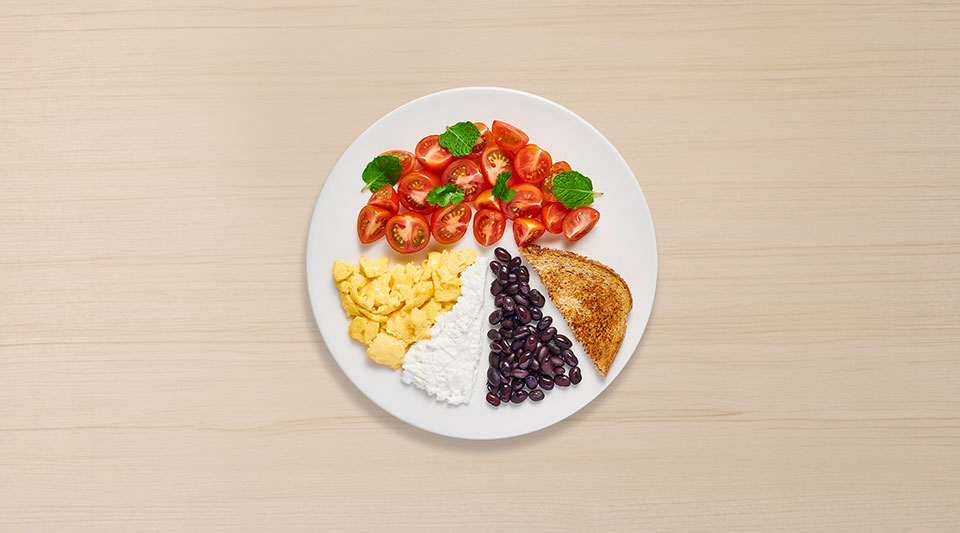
442, 195
500, 189
573, 189
459, 138
383, 170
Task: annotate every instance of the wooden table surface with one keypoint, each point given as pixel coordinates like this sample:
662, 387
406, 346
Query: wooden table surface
160, 366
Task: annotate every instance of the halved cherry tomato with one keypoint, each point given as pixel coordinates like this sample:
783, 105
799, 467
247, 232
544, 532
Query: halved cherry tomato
386, 198
488, 226
485, 200
408, 232
413, 189
372, 223
508, 137
449, 223
547, 185
526, 204
466, 175
579, 222
406, 159
431, 155
552, 216
526, 230
494, 161
532, 164
485, 140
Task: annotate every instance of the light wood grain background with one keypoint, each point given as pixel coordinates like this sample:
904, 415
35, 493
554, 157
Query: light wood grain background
160, 367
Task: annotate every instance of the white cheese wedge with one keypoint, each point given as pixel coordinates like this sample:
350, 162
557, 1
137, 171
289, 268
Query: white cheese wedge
445, 365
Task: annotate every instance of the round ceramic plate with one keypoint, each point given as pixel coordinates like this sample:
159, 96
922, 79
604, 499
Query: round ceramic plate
623, 239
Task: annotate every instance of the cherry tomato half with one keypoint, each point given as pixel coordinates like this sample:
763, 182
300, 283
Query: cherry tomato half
408, 232
485, 200
465, 174
526, 230
431, 155
449, 223
508, 137
485, 140
526, 203
579, 222
552, 216
372, 223
547, 185
488, 226
494, 161
386, 198
413, 189
532, 164
406, 159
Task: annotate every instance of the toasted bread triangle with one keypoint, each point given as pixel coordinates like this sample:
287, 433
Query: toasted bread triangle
593, 299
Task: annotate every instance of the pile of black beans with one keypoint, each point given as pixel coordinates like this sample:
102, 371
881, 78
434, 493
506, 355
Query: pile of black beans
527, 355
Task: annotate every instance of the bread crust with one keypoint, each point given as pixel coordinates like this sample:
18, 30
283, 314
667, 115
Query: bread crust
593, 299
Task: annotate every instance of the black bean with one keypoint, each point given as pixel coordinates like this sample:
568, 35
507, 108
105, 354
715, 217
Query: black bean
519, 396
493, 376
514, 263
531, 382
493, 335
511, 278
569, 358
502, 275
546, 367
491, 388
508, 305
536, 298
498, 299
516, 344
554, 349
535, 396
535, 313
545, 336
562, 381
505, 390
523, 274
525, 360
521, 334
543, 353
506, 323
520, 373
510, 358
506, 333
494, 400
501, 253
534, 365
544, 323
520, 300
523, 314
575, 375
495, 287
494, 359
563, 341
524, 289
517, 384
559, 370
530, 343
511, 289
546, 383
556, 361
505, 373
495, 266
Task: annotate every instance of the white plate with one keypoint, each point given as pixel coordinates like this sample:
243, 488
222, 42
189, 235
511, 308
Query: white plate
623, 239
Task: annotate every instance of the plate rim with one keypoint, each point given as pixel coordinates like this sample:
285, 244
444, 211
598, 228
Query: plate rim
655, 273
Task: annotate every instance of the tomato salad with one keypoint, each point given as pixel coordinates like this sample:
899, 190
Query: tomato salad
505, 177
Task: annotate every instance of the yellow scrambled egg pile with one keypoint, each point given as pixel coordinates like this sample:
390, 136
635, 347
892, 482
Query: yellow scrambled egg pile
395, 307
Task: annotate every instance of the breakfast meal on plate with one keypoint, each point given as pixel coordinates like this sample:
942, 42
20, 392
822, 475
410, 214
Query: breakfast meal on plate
527, 355
593, 299
496, 170
396, 307
445, 364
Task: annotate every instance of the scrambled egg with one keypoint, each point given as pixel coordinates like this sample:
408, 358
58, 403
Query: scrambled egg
393, 308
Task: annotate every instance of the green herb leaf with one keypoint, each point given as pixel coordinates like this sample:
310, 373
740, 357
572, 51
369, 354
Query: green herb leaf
573, 189
459, 138
383, 170
442, 195
500, 189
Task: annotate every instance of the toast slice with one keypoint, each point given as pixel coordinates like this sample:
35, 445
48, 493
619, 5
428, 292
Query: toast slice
593, 299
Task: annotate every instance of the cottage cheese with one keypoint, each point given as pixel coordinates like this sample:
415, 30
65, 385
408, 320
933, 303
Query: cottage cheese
445, 365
